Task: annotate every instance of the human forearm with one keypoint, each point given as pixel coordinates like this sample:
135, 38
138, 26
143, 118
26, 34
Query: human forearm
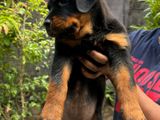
150, 108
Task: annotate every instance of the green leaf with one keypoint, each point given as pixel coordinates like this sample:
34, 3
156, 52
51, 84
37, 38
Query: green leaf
5, 29
157, 15
7, 42
21, 11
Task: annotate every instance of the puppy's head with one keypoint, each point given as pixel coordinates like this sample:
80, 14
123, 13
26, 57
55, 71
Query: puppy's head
69, 18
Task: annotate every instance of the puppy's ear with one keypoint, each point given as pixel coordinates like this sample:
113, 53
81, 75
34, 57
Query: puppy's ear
85, 5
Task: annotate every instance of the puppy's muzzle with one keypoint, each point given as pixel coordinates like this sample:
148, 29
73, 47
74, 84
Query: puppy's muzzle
62, 26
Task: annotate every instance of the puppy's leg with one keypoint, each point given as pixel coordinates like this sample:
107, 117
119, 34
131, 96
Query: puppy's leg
57, 91
100, 99
127, 94
121, 74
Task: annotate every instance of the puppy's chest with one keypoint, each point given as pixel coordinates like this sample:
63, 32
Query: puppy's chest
79, 103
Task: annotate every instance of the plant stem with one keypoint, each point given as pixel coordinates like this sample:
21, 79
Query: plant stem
22, 68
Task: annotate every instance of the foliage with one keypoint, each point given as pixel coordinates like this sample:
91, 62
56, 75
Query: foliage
110, 94
152, 17
24, 49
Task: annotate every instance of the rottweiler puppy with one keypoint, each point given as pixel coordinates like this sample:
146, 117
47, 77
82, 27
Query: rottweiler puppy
79, 26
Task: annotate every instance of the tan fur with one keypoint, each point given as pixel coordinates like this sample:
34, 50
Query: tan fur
118, 38
61, 23
127, 95
71, 43
86, 25
56, 96
83, 23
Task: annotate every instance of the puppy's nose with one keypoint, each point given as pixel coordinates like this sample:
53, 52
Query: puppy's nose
47, 22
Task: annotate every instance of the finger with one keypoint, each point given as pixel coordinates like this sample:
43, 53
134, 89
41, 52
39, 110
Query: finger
99, 57
88, 65
90, 75
106, 69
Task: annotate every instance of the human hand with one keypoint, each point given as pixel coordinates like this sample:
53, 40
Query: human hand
96, 70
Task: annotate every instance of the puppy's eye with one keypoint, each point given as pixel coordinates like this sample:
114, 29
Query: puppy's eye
63, 2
